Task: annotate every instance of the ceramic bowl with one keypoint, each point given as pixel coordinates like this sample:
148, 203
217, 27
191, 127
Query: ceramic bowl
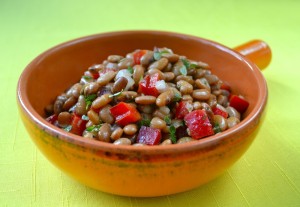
141, 171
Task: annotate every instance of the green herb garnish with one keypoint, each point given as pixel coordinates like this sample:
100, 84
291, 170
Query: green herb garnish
157, 55
167, 119
116, 94
68, 128
93, 128
177, 97
188, 64
87, 78
89, 100
217, 128
183, 70
193, 66
130, 69
144, 122
173, 134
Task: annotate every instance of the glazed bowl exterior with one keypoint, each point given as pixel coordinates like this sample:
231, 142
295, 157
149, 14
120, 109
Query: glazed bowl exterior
128, 170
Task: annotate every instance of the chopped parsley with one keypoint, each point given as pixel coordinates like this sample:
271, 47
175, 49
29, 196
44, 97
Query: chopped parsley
157, 55
183, 70
89, 100
187, 65
93, 128
193, 66
173, 134
144, 122
130, 69
177, 97
217, 128
116, 94
87, 78
168, 120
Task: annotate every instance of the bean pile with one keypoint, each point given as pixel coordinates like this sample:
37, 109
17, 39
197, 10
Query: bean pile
148, 97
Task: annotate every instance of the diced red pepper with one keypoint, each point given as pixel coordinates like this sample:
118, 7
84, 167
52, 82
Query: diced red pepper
125, 113
217, 110
149, 136
239, 103
182, 109
52, 119
78, 125
138, 55
198, 124
94, 75
147, 85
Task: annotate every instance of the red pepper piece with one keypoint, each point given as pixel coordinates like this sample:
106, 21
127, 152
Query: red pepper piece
78, 125
219, 111
149, 136
198, 124
182, 109
138, 55
95, 75
125, 113
52, 119
239, 103
147, 85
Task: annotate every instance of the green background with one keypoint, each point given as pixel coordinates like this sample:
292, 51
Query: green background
267, 175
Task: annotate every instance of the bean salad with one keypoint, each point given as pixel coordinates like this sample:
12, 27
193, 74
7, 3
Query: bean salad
148, 97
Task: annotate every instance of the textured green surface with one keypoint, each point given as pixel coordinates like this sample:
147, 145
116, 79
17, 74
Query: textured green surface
267, 175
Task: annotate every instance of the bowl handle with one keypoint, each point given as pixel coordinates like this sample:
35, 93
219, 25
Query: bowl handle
257, 51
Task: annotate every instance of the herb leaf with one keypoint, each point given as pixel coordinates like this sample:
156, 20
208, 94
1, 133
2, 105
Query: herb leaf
193, 66
144, 122
177, 97
173, 134
167, 119
89, 100
93, 128
130, 69
217, 128
87, 78
157, 55
116, 94
186, 63
183, 70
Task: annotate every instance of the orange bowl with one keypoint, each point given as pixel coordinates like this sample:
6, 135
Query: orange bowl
128, 170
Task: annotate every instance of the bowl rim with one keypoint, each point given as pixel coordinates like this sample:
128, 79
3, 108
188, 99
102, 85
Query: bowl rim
253, 117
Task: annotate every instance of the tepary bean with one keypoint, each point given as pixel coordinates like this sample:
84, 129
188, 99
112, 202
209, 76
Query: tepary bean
119, 84
159, 64
101, 101
145, 100
146, 95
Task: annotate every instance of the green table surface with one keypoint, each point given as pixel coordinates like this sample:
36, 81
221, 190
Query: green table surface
268, 174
